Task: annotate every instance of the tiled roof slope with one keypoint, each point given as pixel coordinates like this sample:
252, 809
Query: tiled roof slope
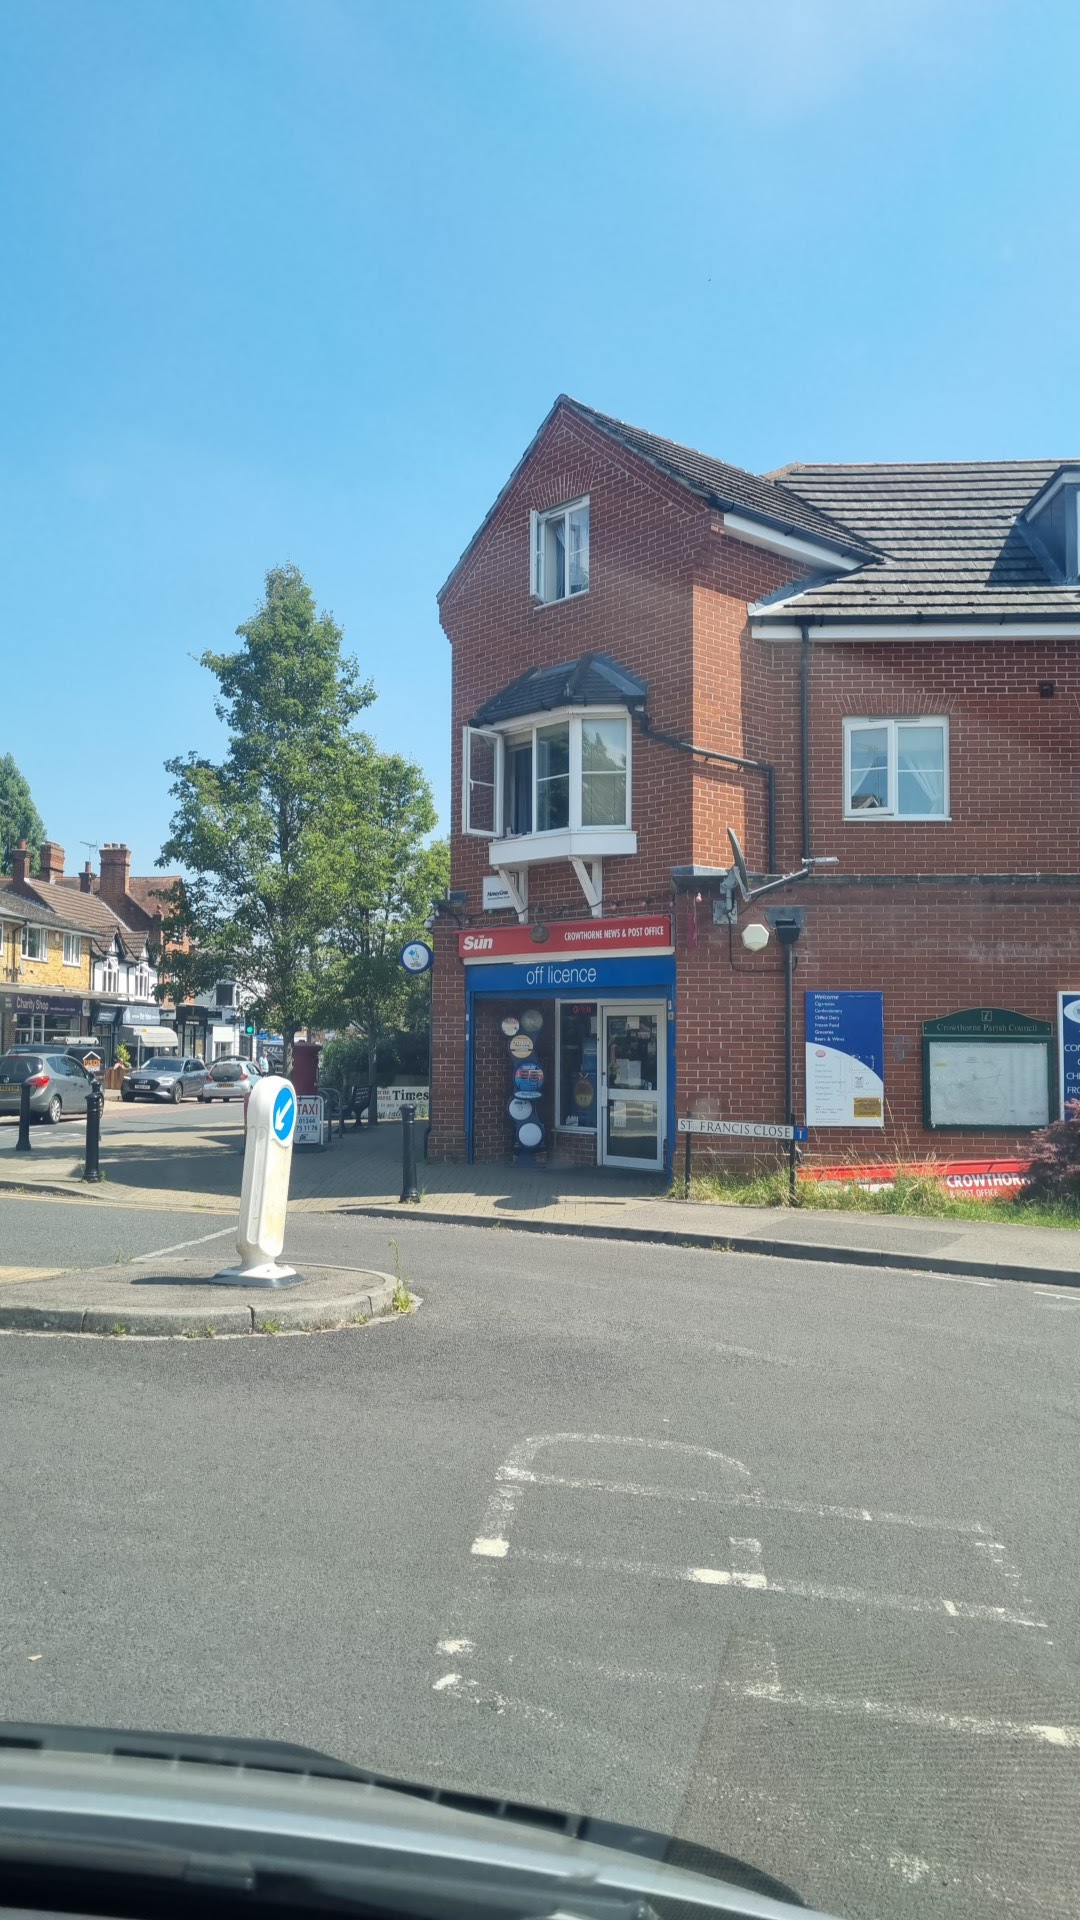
762, 498
79, 912
951, 535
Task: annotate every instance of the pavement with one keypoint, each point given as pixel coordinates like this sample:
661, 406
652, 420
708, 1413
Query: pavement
190, 1158
786, 1565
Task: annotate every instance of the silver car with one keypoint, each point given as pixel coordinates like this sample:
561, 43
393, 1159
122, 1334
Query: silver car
164, 1078
58, 1085
230, 1079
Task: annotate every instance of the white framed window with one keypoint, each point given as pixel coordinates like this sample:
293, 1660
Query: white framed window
72, 950
35, 943
896, 769
140, 982
555, 773
560, 552
110, 975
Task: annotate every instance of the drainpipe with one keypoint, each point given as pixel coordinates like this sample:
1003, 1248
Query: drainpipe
804, 735
763, 767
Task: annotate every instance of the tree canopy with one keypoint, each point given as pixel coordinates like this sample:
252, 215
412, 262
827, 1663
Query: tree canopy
19, 818
263, 834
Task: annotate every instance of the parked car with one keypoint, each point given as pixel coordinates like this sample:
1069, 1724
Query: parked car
58, 1084
230, 1079
165, 1078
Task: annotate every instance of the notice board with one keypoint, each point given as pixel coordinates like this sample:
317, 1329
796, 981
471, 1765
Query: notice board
987, 1069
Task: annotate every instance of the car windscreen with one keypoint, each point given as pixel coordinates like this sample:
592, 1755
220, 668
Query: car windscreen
160, 1066
227, 1070
19, 1066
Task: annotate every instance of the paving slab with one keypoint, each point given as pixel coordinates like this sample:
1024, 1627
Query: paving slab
178, 1297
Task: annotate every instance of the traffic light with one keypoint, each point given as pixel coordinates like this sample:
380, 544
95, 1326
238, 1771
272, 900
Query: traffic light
250, 1028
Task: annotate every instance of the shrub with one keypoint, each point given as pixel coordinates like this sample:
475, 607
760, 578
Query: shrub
1055, 1160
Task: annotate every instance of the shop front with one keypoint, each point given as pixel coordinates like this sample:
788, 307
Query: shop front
42, 1019
570, 1049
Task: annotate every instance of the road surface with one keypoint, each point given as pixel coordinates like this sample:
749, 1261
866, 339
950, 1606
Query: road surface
780, 1557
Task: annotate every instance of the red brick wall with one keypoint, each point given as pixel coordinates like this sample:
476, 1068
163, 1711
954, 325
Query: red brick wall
934, 949
668, 598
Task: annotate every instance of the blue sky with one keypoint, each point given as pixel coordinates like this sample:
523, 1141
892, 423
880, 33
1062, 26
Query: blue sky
298, 279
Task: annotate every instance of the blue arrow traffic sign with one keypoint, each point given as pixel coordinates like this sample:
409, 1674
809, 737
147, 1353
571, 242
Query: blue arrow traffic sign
284, 1118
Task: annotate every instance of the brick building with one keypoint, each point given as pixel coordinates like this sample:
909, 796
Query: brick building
874, 667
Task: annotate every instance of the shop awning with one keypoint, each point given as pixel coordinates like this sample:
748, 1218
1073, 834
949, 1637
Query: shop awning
162, 1039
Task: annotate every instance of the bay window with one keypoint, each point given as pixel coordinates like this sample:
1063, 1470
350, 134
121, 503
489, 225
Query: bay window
896, 769
546, 776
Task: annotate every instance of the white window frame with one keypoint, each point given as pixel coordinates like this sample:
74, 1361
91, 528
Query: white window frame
110, 975
73, 949
530, 724
538, 522
141, 984
41, 940
856, 723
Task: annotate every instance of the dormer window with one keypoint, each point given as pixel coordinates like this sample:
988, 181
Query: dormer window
560, 552
1053, 518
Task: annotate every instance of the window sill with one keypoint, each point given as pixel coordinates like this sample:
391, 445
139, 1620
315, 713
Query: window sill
568, 600
876, 816
567, 843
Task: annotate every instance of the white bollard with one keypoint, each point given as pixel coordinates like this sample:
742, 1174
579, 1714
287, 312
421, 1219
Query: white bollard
264, 1193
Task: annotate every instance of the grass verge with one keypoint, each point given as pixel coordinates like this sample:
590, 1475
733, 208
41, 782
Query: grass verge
910, 1193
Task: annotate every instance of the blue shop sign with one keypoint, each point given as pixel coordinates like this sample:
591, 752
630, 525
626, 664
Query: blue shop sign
1068, 1049
582, 979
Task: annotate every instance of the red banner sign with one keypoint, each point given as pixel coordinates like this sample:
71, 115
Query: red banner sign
635, 933
967, 1179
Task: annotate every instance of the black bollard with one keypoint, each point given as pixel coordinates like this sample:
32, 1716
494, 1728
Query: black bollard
409, 1191
94, 1104
22, 1144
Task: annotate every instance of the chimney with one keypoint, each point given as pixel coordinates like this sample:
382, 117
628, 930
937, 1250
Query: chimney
52, 861
20, 864
115, 868
86, 880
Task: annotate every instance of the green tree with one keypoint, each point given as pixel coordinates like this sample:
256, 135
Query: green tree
264, 835
395, 874
19, 818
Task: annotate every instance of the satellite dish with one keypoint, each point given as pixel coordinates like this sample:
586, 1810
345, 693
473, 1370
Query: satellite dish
739, 858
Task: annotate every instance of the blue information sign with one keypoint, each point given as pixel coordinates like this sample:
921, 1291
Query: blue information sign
845, 1060
1068, 1049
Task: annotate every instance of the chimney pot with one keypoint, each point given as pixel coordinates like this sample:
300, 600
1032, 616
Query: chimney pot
86, 880
20, 863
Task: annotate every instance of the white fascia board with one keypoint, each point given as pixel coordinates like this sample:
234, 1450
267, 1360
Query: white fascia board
789, 544
1068, 477
975, 629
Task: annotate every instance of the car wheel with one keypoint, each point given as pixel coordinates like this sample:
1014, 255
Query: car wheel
54, 1110
176, 1093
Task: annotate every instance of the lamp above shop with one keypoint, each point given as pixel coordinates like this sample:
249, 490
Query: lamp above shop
755, 936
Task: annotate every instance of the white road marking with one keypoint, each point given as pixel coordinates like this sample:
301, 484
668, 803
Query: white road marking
490, 1549
160, 1252
757, 1502
448, 1680
455, 1646
782, 1589
899, 1713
